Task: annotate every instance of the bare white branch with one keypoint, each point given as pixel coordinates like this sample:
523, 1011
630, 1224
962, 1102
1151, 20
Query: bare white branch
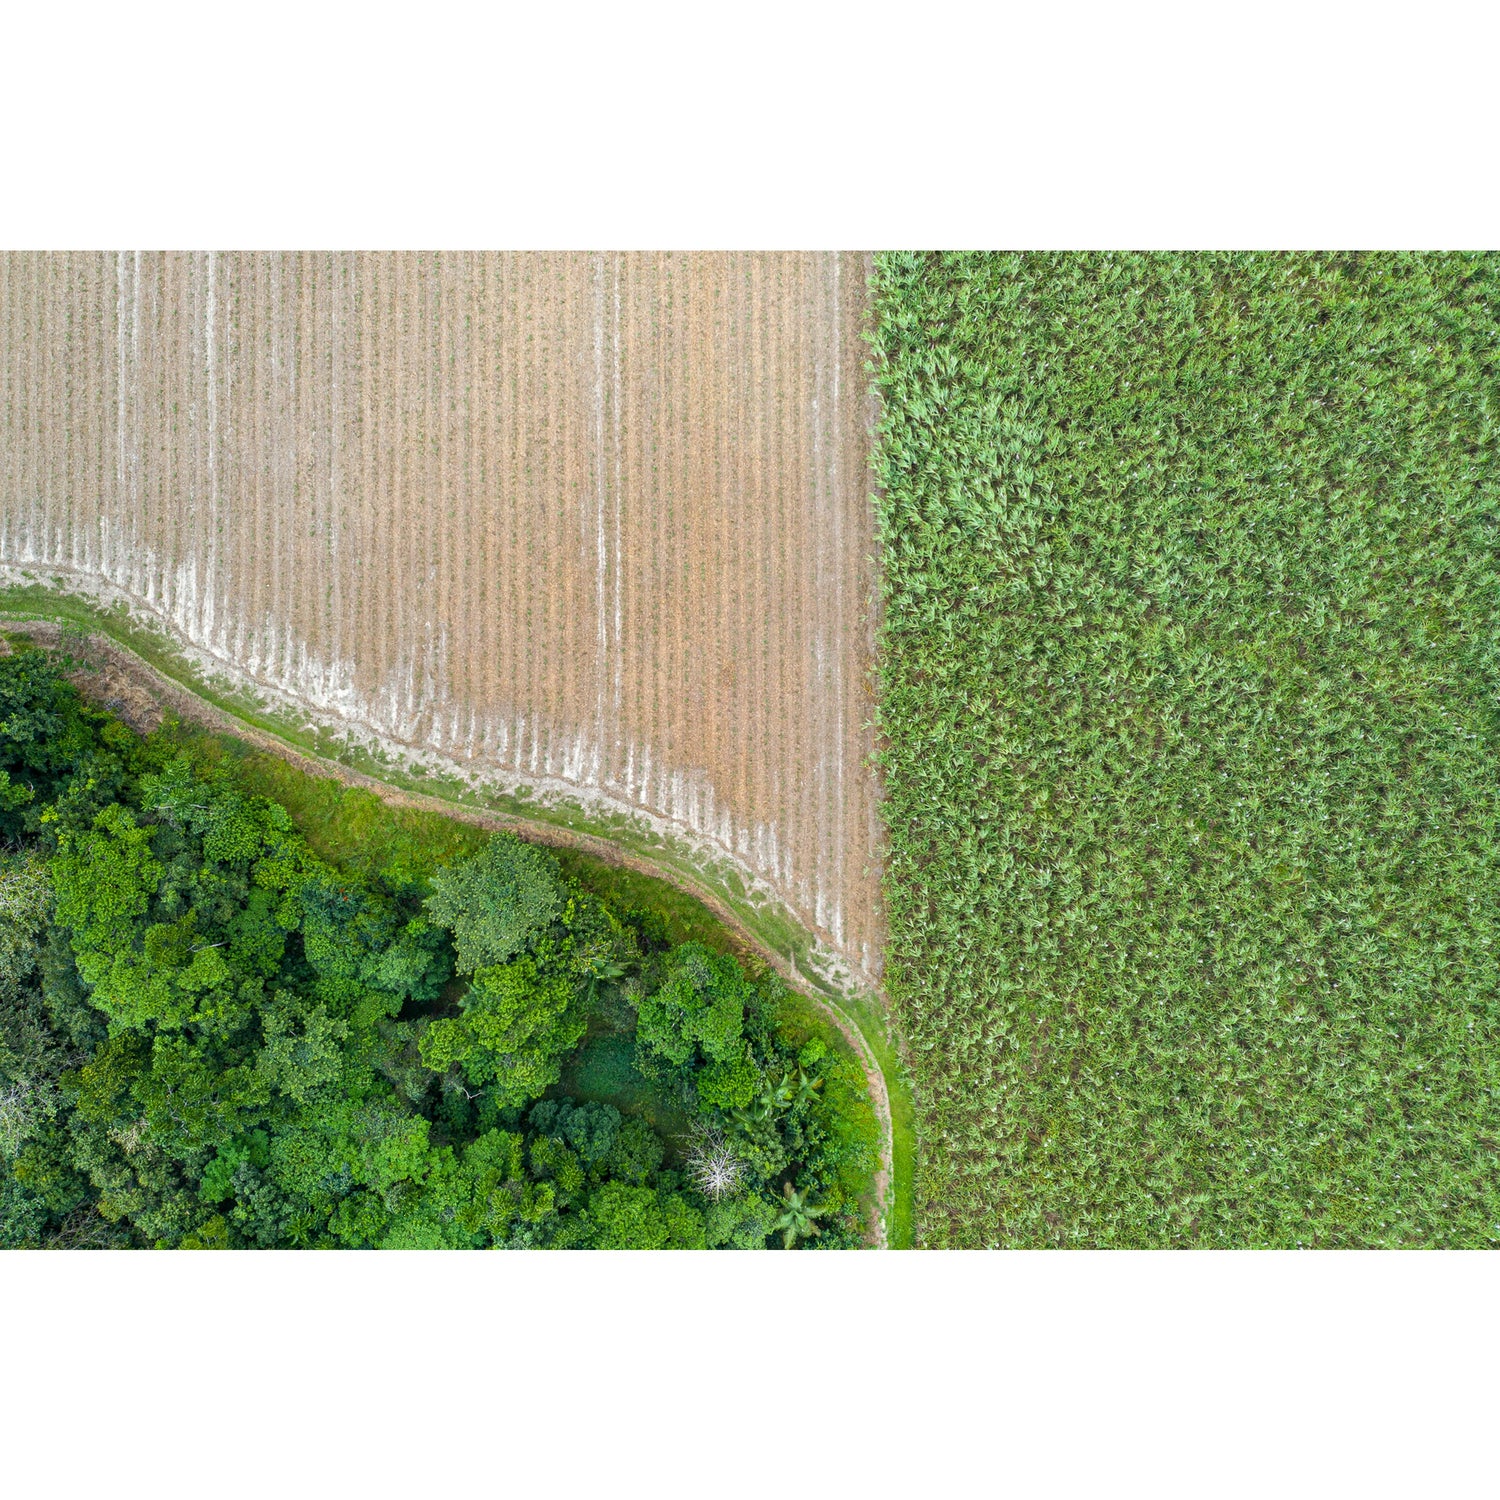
715, 1169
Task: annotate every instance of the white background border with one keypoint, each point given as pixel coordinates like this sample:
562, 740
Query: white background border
635, 126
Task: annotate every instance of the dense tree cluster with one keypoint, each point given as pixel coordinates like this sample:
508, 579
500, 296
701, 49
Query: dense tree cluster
211, 1037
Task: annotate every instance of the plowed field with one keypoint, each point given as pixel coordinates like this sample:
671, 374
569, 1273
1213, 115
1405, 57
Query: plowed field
589, 521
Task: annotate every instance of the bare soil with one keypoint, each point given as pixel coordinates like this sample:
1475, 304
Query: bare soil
599, 519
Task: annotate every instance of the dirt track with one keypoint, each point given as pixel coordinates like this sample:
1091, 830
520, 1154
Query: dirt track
596, 519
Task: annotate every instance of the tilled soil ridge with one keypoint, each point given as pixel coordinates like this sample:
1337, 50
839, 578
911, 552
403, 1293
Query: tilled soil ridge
593, 521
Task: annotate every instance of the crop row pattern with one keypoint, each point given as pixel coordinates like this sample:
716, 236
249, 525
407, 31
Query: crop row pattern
1190, 658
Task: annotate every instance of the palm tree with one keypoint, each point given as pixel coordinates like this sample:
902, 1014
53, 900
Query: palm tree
796, 1221
599, 969
774, 1098
807, 1088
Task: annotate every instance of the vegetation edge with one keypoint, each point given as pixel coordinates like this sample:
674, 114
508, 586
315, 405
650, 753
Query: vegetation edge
149, 655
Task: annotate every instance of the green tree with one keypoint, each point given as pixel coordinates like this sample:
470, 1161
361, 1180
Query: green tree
728, 1085
415, 964
31, 1055
552, 1161
636, 1152
497, 902
700, 1008
740, 1223
105, 880
519, 1020
46, 732
591, 1129
643, 1218
199, 1043
302, 1050
798, 1213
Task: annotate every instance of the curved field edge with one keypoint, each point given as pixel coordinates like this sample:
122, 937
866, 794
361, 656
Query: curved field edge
169, 673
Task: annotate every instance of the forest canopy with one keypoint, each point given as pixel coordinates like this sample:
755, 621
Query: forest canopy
212, 1037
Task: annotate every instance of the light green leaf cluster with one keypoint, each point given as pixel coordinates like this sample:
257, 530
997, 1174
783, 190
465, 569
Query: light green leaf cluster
497, 902
518, 1020
1190, 663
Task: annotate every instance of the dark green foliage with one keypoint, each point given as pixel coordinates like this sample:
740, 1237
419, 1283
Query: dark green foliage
46, 731
590, 1129
522, 1017
32, 1055
1190, 663
635, 1153
798, 1217
643, 1218
212, 1038
23, 1215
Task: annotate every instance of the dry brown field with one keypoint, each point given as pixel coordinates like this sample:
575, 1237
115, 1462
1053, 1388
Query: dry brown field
590, 522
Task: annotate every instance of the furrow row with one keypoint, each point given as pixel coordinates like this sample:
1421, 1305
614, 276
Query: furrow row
596, 518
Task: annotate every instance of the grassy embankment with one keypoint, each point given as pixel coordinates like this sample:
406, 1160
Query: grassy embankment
1191, 658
